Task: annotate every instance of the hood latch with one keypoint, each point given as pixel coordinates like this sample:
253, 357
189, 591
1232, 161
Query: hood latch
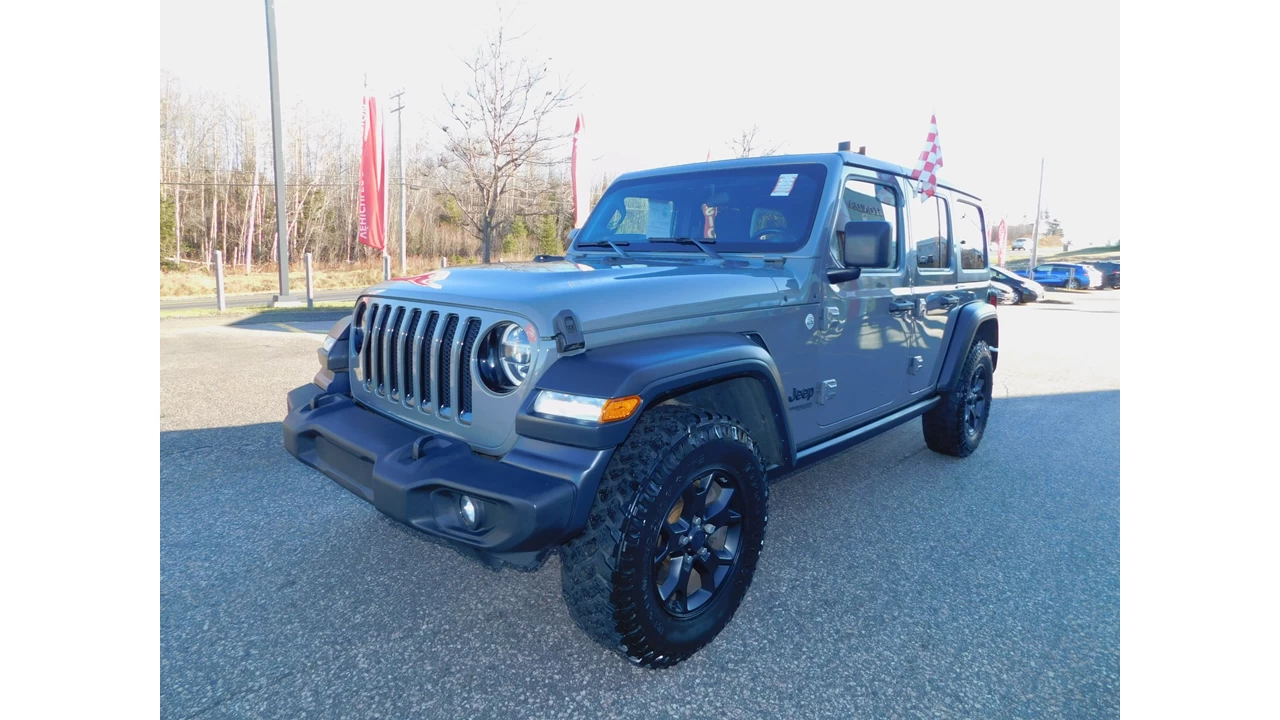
568, 333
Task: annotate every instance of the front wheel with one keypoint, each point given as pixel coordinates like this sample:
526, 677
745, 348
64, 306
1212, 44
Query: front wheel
955, 425
673, 538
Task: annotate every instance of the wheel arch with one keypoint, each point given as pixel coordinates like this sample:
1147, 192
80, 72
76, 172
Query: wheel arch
721, 372
975, 321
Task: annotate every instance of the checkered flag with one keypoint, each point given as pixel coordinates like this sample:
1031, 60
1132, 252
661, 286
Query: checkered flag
926, 171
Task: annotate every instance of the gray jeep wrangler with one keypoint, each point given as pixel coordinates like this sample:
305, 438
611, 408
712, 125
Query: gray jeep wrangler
711, 328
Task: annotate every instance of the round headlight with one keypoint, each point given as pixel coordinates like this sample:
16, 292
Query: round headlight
505, 357
516, 354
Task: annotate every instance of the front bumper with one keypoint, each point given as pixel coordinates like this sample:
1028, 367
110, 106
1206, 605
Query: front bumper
533, 499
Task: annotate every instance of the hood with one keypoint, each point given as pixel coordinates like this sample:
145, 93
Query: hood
603, 297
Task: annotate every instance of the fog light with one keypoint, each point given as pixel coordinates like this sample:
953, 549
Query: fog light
469, 512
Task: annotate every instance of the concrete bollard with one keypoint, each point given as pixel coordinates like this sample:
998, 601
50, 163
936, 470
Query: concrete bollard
444, 262
217, 278
311, 296
386, 267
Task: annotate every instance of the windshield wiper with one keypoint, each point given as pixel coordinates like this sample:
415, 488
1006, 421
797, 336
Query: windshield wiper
607, 243
702, 244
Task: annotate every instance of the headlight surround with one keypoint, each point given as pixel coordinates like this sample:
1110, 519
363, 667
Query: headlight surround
505, 357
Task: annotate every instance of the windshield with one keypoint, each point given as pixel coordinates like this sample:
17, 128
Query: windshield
755, 209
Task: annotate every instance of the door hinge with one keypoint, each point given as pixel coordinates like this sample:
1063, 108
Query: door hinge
830, 317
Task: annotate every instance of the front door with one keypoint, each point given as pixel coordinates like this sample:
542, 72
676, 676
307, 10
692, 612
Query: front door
866, 322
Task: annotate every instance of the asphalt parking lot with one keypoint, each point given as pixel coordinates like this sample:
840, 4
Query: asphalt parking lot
895, 582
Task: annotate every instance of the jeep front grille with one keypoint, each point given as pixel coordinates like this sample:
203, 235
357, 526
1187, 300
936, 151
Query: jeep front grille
403, 347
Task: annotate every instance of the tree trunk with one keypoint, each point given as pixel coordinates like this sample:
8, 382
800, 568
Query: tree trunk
177, 224
212, 234
249, 218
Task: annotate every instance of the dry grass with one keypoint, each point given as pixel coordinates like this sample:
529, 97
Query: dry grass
200, 283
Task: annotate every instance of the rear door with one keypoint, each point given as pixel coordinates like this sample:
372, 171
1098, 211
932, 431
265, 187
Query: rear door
969, 230
932, 266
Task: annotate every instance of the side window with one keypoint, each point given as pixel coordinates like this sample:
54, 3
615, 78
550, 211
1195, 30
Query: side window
932, 232
869, 200
970, 234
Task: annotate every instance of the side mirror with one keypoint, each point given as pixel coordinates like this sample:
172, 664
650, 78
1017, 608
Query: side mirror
867, 244
573, 234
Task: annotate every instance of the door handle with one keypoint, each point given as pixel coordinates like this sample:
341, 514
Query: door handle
949, 301
900, 306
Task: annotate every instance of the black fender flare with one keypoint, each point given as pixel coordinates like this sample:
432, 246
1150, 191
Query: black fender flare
971, 318
654, 369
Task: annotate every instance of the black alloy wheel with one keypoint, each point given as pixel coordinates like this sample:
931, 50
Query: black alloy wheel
697, 548
977, 402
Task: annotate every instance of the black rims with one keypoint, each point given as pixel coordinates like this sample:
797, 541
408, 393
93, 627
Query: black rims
977, 401
699, 543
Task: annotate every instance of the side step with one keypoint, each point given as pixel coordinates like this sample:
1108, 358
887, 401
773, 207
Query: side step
866, 432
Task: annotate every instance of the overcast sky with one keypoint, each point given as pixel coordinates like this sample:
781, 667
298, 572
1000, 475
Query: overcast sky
665, 82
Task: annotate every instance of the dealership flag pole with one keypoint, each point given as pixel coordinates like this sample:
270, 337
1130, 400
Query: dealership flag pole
282, 228
1035, 232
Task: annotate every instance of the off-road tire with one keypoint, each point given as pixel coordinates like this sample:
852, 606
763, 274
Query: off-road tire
945, 428
607, 573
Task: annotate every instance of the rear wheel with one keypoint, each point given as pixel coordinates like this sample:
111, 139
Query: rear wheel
955, 425
1073, 284
673, 538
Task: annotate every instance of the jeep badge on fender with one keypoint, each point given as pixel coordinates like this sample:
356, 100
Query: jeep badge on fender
628, 404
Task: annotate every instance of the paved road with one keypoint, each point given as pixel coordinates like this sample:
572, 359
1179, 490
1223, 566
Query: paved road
895, 582
255, 300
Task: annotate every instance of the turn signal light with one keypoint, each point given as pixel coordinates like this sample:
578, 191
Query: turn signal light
620, 408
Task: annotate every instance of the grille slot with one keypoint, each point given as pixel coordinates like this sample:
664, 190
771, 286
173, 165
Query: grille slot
464, 381
425, 354
445, 400
410, 357
394, 369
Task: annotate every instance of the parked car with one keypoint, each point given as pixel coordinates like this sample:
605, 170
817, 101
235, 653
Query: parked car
1005, 295
1072, 276
1110, 274
629, 412
1026, 289
1020, 244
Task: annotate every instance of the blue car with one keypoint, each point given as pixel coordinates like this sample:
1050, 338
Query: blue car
1065, 275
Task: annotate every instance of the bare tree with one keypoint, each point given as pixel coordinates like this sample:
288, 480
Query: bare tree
747, 144
499, 125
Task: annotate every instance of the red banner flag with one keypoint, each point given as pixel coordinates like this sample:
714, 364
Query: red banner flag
372, 210
580, 176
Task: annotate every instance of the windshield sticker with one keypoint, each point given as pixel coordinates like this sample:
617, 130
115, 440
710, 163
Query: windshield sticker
786, 181
709, 227
659, 222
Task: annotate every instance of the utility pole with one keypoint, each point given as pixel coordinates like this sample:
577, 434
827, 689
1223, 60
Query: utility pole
282, 227
400, 152
1035, 232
